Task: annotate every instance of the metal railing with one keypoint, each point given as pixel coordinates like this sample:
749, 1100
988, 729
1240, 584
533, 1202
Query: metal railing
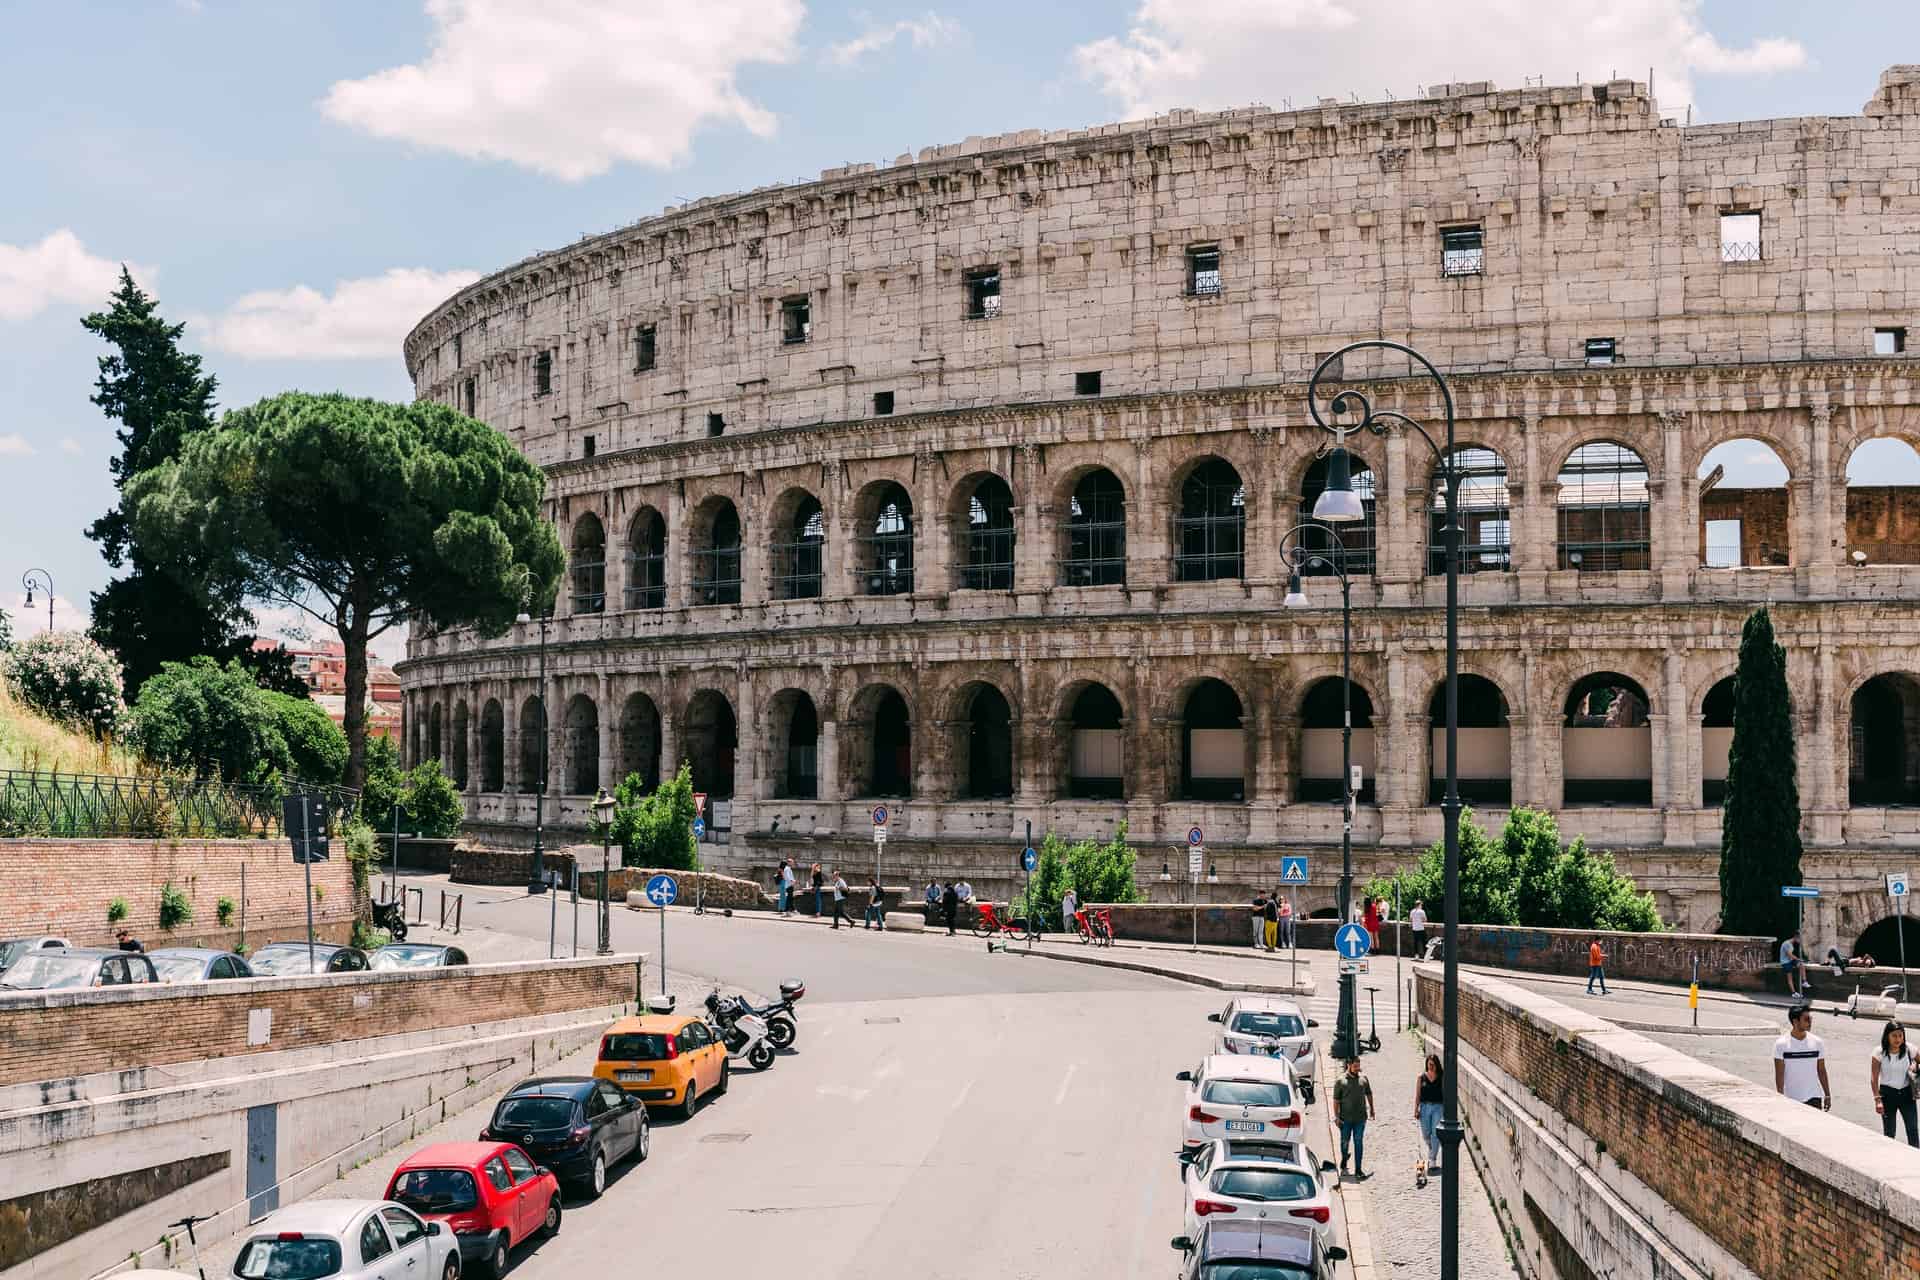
104, 806
1740, 251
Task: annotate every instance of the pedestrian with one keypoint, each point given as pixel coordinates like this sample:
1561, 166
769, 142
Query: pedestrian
1259, 919
1892, 1077
840, 900
1800, 1061
1596, 967
1417, 921
786, 886
1427, 1098
964, 889
1285, 932
1270, 926
818, 880
127, 941
1070, 910
1790, 963
876, 906
950, 905
1371, 919
933, 893
1353, 1107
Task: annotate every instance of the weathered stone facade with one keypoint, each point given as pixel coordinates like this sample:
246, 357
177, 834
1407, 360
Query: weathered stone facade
878, 477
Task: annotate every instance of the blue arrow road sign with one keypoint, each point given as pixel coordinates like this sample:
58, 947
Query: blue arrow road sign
699, 827
1799, 891
1029, 859
1352, 942
662, 890
1293, 870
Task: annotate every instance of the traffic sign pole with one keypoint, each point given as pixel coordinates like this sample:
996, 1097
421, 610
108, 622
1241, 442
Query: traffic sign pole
662, 889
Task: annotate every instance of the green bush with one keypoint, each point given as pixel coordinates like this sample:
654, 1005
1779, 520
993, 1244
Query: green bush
384, 782
223, 911
360, 854
432, 805
212, 720
117, 910
315, 744
67, 677
656, 830
175, 910
1098, 872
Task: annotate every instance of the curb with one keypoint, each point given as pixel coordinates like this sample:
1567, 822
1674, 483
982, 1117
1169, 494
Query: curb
1355, 1208
1177, 975
1667, 1028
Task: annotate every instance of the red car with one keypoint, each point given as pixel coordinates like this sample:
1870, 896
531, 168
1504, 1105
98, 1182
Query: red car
490, 1195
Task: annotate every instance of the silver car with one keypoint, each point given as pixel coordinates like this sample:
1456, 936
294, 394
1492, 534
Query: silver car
197, 964
12, 949
347, 1240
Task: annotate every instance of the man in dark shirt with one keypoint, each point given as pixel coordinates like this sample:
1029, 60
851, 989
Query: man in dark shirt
127, 941
950, 906
1353, 1107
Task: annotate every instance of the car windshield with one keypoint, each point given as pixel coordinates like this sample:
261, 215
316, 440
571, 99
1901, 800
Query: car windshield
285, 960
1256, 1023
1265, 1184
1253, 1271
42, 972
633, 1048
179, 968
11, 951
536, 1112
1268, 1152
1248, 1093
435, 1190
275, 1258
397, 957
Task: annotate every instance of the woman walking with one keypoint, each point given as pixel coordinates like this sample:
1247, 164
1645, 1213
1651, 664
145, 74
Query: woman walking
1426, 1109
1892, 1076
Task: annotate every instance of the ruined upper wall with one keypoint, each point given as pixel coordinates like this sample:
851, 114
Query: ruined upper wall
1599, 220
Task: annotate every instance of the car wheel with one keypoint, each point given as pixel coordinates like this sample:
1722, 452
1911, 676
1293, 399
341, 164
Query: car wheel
551, 1227
497, 1256
726, 1075
452, 1270
597, 1180
692, 1104
643, 1145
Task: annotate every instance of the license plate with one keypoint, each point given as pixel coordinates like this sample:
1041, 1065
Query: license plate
634, 1077
1246, 1126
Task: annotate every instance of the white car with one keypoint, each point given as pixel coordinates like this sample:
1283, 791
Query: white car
347, 1240
1270, 1026
1235, 1096
1258, 1181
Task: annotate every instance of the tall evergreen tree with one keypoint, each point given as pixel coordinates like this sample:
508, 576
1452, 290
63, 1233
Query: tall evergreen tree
160, 396
1760, 827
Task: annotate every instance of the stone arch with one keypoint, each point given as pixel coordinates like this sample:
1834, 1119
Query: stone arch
493, 747
712, 739
533, 733
797, 553
1883, 741
1883, 942
461, 730
582, 777
877, 737
647, 560
1094, 742
1322, 708
1746, 511
1716, 737
794, 745
1485, 742
1209, 505
1882, 515
985, 742
1603, 510
640, 740
714, 542
1606, 742
1486, 513
1358, 538
986, 539
1213, 741
587, 565
436, 736
1093, 529
883, 537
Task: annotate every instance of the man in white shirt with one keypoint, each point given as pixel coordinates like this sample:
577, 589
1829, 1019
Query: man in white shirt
840, 900
1417, 921
786, 886
965, 891
1800, 1062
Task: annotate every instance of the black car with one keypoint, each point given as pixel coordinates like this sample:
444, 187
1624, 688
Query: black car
287, 959
577, 1126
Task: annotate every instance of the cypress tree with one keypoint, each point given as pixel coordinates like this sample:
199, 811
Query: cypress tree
1760, 827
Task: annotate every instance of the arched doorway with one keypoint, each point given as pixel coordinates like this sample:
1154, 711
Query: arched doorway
1883, 757
1210, 533
1356, 538
588, 565
493, 747
1096, 767
1603, 510
795, 730
1485, 743
434, 753
1486, 516
1213, 764
1716, 743
986, 561
881, 734
1883, 521
1094, 535
583, 746
1746, 515
460, 730
532, 773
1322, 715
716, 553
886, 541
647, 561
799, 550
1606, 743
640, 740
1882, 941
988, 723
711, 742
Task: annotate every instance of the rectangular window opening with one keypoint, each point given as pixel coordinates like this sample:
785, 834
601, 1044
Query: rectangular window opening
1740, 236
543, 374
1889, 342
983, 293
645, 347
1462, 251
716, 424
796, 320
467, 393
883, 403
1723, 544
1203, 271
586, 446
459, 346
1602, 351
1087, 383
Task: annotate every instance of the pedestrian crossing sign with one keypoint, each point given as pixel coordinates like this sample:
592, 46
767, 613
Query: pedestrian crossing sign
1293, 870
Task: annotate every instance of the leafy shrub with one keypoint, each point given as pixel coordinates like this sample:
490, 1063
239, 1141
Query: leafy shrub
223, 910
316, 745
384, 782
67, 677
210, 719
432, 805
656, 830
175, 910
117, 910
360, 855
1098, 872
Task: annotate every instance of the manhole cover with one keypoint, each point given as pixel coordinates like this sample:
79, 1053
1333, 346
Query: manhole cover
881, 1022
725, 1137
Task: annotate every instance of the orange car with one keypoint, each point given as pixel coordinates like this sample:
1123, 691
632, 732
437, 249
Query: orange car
664, 1059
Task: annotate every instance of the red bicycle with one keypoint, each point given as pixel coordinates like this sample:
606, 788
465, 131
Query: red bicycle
1095, 925
988, 922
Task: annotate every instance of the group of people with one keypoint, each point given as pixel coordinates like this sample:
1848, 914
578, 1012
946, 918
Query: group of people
948, 899
1272, 920
1800, 1072
835, 884
1353, 1108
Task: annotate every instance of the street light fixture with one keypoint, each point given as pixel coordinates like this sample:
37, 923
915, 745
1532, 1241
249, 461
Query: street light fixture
39, 579
1378, 422
603, 807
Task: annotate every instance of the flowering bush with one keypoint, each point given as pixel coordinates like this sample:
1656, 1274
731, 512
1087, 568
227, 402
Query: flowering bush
65, 676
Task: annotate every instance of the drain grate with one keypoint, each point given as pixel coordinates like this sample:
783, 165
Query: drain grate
725, 1137
881, 1022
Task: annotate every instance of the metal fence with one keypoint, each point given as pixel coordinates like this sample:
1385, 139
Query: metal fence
99, 806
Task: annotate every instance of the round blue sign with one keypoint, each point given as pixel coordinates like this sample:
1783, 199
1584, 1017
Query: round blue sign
879, 815
699, 827
1194, 836
1029, 859
1352, 941
662, 890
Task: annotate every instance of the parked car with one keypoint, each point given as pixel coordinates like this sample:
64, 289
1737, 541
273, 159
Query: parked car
12, 949
664, 1059
58, 968
1247, 1250
489, 1194
1257, 1181
1234, 1096
415, 955
1271, 1026
347, 1240
286, 959
575, 1125
197, 964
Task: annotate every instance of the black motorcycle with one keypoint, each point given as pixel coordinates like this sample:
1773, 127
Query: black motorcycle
392, 917
782, 1029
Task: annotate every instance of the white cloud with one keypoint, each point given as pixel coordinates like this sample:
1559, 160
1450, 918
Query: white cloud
923, 33
70, 445
57, 271
15, 445
67, 616
570, 88
363, 319
1222, 53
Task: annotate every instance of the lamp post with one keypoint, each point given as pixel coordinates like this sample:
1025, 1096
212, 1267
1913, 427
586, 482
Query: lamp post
537, 871
39, 580
603, 814
1346, 1034
1348, 508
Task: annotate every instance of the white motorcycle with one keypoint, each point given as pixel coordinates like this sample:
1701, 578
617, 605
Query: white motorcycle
744, 1034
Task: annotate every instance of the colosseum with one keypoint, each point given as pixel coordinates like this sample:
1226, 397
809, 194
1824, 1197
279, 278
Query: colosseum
961, 484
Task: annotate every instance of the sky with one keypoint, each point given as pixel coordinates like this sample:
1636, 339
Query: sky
300, 182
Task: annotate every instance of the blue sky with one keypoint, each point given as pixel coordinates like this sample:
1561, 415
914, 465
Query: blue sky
300, 181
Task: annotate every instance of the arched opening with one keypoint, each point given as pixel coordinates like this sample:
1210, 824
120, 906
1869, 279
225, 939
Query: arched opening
1603, 510
460, 730
877, 738
1716, 742
1883, 741
1606, 744
1096, 768
532, 773
1322, 715
988, 723
1210, 533
886, 541
1485, 759
986, 561
493, 747
640, 740
647, 561
1213, 764
1356, 538
1883, 503
799, 553
1095, 533
1746, 517
1486, 514
716, 553
435, 737
796, 745
1882, 941
583, 746
711, 743
587, 566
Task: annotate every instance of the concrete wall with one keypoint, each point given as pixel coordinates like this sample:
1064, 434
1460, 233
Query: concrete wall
1613, 1155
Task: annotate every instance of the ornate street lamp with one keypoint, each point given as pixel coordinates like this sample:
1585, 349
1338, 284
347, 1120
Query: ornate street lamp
1378, 422
603, 814
39, 580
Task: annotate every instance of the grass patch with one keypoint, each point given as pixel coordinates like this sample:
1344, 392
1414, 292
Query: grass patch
29, 740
